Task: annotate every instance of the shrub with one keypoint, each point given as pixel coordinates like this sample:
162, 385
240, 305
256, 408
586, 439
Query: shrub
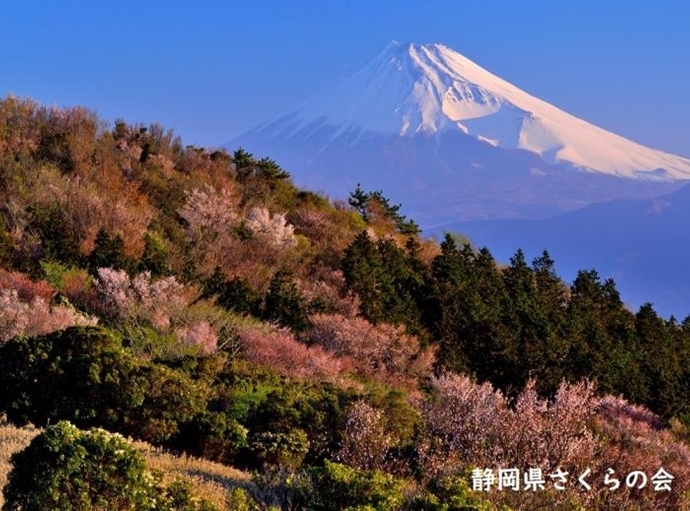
335, 486
215, 436
155, 256
478, 428
86, 376
179, 496
19, 131
140, 298
50, 376
384, 348
114, 207
64, 468
265, 402
240, 500
165, 399
365, 440
282, 449
20, 318
450, 493
199, 334
209, 213
280, 350
274, 228
150, 311
27, 290
635, 440
67, 469
72, 282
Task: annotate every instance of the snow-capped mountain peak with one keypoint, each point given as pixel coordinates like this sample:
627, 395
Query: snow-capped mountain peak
412, 89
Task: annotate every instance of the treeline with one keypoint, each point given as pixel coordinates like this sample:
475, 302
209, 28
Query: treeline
509, 325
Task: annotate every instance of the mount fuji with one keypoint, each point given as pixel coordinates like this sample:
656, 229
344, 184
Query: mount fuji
452, 141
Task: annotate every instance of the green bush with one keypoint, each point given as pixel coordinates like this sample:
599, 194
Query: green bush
281, 449
67, 469
179, 496
215, 436
240, 500
264, 402
155, 256
76, 374
83, 374
452, 493
167, 399
339, 487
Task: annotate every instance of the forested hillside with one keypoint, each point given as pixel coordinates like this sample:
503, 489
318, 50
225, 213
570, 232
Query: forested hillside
198, 301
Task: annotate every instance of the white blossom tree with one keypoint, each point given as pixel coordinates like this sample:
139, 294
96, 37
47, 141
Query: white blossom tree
274, 228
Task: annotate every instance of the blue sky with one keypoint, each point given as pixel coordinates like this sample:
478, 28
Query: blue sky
211, 70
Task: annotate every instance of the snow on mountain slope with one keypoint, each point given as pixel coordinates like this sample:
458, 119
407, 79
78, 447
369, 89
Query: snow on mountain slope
410, 89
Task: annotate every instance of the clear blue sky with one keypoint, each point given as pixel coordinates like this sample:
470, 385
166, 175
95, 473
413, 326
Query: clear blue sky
211, 70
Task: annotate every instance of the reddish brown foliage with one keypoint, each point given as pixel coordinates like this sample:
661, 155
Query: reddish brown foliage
382, 349
20, 318
77, 287
635, 440
118, 208
27, 289
19, 133
201, 334
476, 426
281, 351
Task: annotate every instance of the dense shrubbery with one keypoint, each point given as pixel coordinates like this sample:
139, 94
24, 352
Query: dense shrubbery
249, 322
336, 486
85, 375
67, 469
26, 309
507, 326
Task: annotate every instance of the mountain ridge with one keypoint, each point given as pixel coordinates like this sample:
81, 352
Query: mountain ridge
636, 242
451, 148
408, 89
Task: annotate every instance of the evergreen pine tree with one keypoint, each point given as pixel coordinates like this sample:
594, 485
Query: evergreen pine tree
108, 252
